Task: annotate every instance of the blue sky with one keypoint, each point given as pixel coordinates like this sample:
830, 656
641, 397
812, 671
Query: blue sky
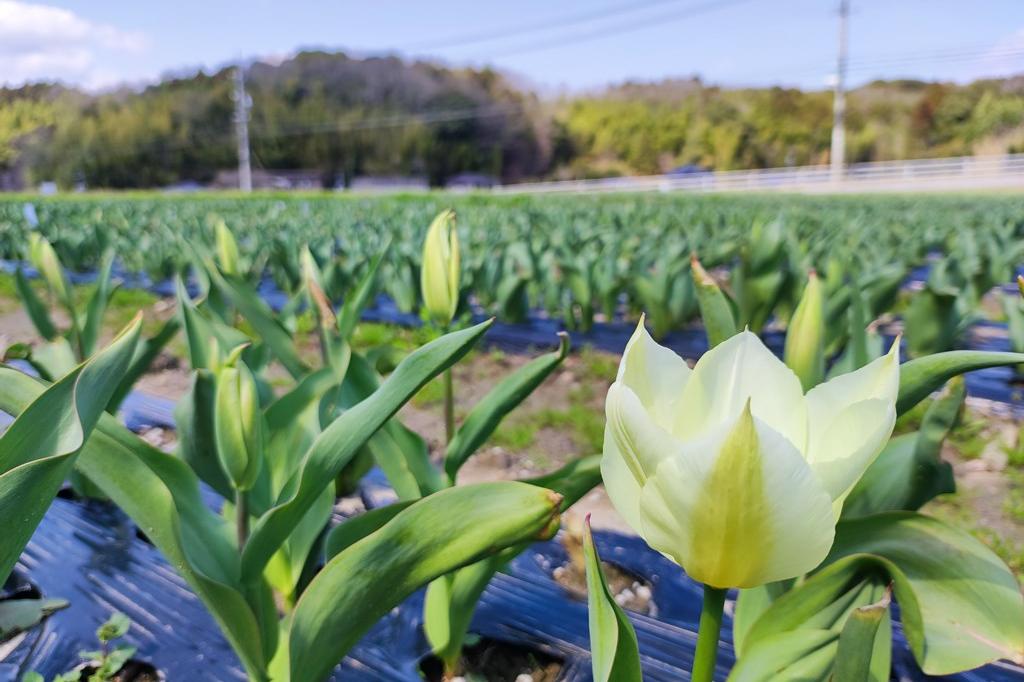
98, 43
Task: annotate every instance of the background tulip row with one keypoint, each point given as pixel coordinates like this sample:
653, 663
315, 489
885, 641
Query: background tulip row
584, 259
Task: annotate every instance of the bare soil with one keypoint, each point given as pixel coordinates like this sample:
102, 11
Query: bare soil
495, 661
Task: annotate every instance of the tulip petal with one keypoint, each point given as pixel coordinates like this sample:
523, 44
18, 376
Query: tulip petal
634, 445
729, 374
879, 379
850, 419
842, 451
739, 508
656, 374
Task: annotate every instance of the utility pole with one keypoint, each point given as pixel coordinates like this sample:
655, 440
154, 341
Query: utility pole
242, 131
838, 155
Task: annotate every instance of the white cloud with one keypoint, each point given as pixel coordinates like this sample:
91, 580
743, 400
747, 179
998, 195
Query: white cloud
44, 42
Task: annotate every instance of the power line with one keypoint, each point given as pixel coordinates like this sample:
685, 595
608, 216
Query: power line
566, 21
584, 36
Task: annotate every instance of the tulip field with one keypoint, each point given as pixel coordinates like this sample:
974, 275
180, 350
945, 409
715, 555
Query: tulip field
469, 437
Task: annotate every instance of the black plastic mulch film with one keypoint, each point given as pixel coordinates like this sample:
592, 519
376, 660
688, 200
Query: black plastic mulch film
91, 554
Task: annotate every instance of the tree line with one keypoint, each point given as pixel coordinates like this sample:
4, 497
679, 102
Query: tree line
343, 117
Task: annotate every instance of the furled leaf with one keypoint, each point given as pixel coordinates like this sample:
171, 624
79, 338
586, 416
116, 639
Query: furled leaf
858, 644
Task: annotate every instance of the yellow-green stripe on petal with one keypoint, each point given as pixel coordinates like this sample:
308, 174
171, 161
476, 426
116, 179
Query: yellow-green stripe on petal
739, 509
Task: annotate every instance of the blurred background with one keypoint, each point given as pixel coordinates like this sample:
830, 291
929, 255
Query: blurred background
401, 95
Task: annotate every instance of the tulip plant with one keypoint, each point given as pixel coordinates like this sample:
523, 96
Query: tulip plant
451, 600
439, 284
63, 350
761, 476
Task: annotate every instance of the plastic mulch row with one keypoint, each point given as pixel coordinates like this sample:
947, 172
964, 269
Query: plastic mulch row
998, 384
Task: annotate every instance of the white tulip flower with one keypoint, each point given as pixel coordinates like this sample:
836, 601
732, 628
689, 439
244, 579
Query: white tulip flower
729, 469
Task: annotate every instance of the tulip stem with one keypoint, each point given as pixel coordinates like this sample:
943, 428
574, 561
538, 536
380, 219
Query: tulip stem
449, 406
242, 517
707, 636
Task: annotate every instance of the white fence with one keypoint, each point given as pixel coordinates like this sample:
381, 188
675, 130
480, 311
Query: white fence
948, 174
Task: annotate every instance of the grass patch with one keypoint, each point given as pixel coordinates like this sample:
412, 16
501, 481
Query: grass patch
513, 435
584, 423
368, 335
956, 510
970, 437
1013, 505
597, 366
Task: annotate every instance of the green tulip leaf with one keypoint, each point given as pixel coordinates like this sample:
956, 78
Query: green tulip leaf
357, 300
502, 399
36, 309
145, 354
862, 655
38, 450
614, 650
961, 606
572, 481
346, 534
19, 615
428, 539
97, 306
261, 317
401, 454
920, 377
806, 655
451, 600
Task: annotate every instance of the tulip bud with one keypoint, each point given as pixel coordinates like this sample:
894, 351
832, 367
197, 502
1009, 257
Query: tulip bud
227, 249
45, 260
1020, 284
805, 338
719, 322
238, 423
439, 276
